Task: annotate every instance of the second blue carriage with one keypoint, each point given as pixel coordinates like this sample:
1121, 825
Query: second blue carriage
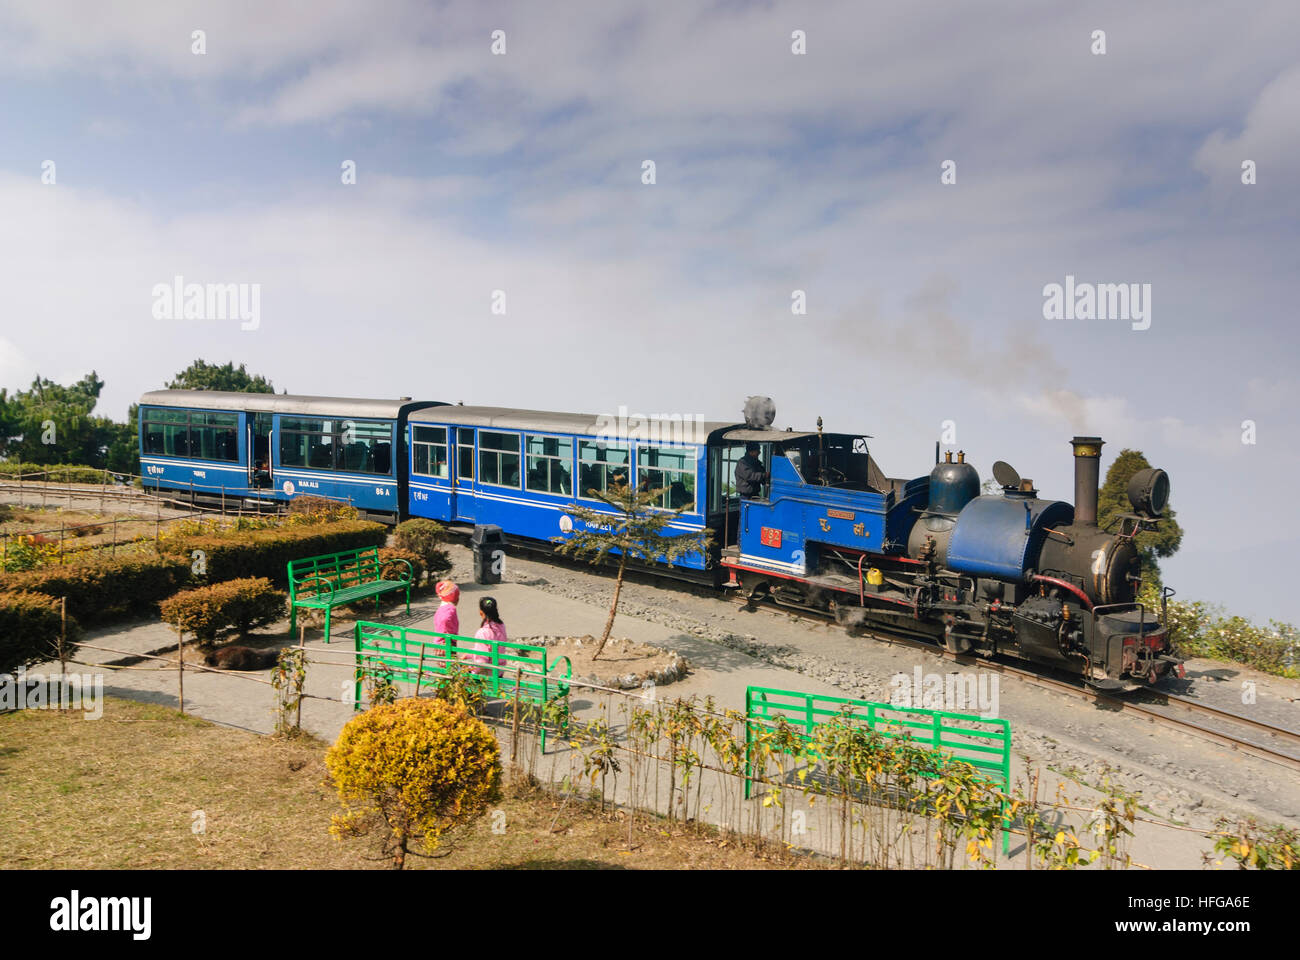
521, 469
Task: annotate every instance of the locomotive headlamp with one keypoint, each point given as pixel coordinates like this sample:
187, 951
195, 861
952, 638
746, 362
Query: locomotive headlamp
1148, 491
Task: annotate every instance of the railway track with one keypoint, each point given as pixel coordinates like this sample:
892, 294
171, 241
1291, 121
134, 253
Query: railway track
33, 494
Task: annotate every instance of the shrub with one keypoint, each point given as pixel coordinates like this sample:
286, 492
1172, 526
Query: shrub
29, 551
57, 472
395, 571
310, 509
1249, 844
413, 769
424, 538
1204, 630
29, 630
100, 587
223, 610
231, 554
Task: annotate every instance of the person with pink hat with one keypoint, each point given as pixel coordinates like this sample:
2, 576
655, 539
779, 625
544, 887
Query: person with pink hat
445, 620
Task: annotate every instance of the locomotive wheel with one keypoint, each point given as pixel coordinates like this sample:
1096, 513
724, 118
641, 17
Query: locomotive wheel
754, 587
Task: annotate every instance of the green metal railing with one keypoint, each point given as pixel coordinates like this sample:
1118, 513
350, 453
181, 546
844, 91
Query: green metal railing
513, 669
982, 742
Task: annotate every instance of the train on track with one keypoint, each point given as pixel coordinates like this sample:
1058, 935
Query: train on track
1004, 574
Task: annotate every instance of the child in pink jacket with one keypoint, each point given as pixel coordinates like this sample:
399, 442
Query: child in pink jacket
492, 630
445, 619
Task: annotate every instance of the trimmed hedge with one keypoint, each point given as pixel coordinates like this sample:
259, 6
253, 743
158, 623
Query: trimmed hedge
223, 610
424, 538
58, 472
395, 571
101, 588
312, 509
29, 630
231, 555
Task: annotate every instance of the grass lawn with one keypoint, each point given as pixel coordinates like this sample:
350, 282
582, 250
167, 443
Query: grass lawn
124, 792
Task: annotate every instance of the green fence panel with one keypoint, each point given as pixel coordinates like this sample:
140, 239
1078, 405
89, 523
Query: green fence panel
510, 667
982, 742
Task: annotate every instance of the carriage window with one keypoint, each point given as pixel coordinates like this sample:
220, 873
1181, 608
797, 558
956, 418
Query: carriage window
355, 446
465, 454
307, 443
192, 433
498, 458
365, 446
671, 470
429, 451
723, 472
550, 464
601, 466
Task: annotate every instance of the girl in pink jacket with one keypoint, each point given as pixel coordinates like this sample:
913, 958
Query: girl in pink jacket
492, 630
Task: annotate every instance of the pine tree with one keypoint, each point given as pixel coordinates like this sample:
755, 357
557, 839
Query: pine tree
51, 423
201, 375
1113, 500
634, 531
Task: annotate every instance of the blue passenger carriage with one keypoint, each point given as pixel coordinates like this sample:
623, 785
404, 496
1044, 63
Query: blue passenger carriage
208, 444
520, 469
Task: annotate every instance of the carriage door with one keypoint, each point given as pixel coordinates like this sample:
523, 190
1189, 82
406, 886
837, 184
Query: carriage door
259, 450
463, 499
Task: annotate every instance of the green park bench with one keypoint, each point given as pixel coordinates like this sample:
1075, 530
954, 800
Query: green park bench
335, 579
409, 655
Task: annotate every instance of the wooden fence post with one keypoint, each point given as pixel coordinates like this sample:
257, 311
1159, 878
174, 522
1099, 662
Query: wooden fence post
180, 666
514, 726
63, 638
302, 652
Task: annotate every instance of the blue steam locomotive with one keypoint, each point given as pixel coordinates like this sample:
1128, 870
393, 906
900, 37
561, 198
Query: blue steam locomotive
827, 530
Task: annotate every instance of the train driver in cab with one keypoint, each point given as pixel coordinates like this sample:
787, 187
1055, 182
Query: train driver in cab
750, 475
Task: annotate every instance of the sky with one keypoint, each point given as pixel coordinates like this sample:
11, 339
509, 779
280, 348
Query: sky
501, 153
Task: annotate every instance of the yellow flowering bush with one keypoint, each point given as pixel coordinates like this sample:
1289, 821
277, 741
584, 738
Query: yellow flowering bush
413, 770
29, 552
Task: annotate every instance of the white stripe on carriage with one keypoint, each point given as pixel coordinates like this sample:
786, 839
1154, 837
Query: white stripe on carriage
560, 508
198, 464
379, 478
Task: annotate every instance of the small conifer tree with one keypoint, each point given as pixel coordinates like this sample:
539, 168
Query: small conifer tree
634, 530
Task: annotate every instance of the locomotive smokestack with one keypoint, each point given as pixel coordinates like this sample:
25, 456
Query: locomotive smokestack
1087, 469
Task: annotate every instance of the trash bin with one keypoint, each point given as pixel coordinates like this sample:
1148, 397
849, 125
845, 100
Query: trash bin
489, 547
